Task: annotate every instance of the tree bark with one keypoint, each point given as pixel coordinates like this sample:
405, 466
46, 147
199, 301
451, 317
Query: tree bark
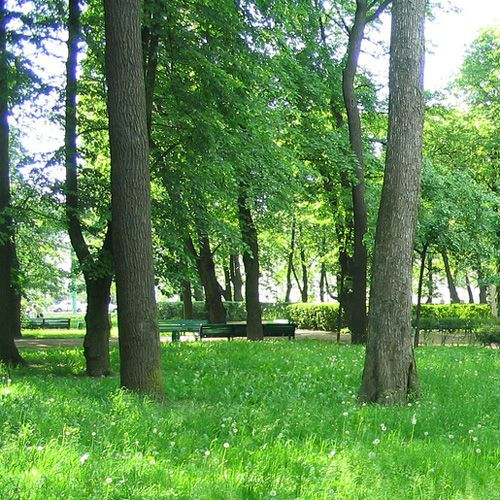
455, 299
483, 289
187, 301
236, 277
360, 255
469, 289
322, 282
390, 374
419, 294
227, 291
305, 277
290, 264
10, 304
251, 263
97, 272
206, 267
430, 280
140, 366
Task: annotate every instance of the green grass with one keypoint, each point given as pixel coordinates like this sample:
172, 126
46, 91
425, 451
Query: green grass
287, 411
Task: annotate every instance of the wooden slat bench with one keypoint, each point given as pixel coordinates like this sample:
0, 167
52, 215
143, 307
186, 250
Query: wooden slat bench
239, 330
178, 326
47, 323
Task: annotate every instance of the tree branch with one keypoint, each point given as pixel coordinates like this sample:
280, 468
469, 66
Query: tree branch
379, 11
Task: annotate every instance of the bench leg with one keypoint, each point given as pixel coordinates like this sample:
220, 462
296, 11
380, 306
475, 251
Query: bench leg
176, 336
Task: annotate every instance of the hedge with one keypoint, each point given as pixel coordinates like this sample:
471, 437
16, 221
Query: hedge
457, 311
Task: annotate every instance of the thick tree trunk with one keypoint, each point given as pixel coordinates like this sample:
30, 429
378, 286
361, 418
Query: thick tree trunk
419, 295
430, 280
236, 277
10, 304
187, 301
251, 263
390, 374
198, 292
96, 342
98, 324
140, 366
455, 299
290, 264
206, 268
469, 289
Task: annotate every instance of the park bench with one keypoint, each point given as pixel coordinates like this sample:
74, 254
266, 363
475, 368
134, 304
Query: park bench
47, 323
460, 329
178, 326
239, 330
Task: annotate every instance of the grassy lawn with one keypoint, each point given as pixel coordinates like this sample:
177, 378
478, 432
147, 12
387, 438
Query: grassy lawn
251, 420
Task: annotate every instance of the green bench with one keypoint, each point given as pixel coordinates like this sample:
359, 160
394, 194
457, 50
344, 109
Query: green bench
178, 326
466, 328
47, 323
239, 330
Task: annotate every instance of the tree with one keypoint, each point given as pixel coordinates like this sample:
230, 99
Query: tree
140, 368
97, 269
10, 299
390, 373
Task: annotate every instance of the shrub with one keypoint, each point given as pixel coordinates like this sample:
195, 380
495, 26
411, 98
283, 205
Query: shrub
458, 311
314, 316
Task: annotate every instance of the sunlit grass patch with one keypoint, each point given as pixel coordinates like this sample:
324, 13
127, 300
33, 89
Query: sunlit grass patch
250, 420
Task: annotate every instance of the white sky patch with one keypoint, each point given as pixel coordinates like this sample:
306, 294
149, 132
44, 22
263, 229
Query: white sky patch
448, 36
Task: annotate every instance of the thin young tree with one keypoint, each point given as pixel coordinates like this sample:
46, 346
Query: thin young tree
9, 295
390, 373
140, 367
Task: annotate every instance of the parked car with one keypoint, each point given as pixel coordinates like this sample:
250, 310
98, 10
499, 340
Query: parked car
67, 306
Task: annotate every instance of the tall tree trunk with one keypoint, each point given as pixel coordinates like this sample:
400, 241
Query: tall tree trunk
360, 256
251, 263
483, 289
198, 292
322, 282
206, 269
455, 299
10, 305
96, 342
419, 294
430, 279
469, 289
390, 371
236, 277
305, 279
140, 367
227, 292
290, 264
187, 301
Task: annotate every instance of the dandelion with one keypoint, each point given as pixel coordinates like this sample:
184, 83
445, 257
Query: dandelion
432, 470
414, 419
207, 453
108, 480
332, 453
155, 431
471, 431
272, 493
426, 433
474, 438
84, 458
451, 436
39, 448
479, 426
478, 450
376, 441
93, 434
344, 414
226, 445
372, 454
383, 427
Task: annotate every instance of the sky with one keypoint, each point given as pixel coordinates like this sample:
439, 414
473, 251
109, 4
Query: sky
447, 37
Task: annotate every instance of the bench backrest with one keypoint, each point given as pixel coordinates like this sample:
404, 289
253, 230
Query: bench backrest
279, 329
